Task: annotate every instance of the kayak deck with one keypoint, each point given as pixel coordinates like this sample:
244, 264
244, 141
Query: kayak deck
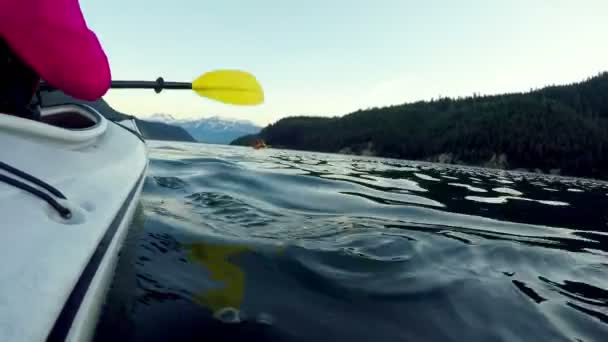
44, 256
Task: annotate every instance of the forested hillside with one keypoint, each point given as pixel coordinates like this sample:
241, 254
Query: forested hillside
561, 128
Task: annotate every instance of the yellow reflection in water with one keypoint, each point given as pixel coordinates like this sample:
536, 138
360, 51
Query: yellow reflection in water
215, 259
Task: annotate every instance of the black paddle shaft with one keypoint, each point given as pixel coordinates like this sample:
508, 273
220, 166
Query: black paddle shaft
157, 85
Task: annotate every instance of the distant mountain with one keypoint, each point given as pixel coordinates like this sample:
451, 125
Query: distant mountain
212, 130
556, 129
150, 130
160, 117
163, 131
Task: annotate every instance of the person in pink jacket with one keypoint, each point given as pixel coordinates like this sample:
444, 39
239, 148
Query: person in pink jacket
49, 40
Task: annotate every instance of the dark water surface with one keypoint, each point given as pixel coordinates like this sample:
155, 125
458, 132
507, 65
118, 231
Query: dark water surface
236, 244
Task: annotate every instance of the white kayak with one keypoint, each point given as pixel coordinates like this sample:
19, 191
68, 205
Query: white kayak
69, 186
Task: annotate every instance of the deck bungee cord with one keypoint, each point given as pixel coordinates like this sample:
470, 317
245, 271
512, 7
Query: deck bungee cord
61, 210
22, 174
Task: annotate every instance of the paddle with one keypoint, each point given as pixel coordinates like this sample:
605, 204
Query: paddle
227, 86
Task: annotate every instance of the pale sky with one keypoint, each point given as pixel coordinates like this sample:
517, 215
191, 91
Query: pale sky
333, 57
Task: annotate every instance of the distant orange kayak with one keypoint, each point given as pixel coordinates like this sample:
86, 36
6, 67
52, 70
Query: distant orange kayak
259, 144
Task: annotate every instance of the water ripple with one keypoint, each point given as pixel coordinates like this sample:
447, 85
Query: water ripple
279, 245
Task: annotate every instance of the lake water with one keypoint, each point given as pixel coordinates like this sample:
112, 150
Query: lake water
231, 243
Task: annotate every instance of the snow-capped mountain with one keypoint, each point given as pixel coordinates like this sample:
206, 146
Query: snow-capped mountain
160, 117
212, 130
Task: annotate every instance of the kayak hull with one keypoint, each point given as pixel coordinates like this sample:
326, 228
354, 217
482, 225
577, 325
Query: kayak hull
54, 269
87, 316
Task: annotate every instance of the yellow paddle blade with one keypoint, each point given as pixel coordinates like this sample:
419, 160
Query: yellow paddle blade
230, 86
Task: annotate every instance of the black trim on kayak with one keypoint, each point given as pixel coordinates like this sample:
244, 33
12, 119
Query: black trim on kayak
135, 133
63, 211
64, 321
31, 179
